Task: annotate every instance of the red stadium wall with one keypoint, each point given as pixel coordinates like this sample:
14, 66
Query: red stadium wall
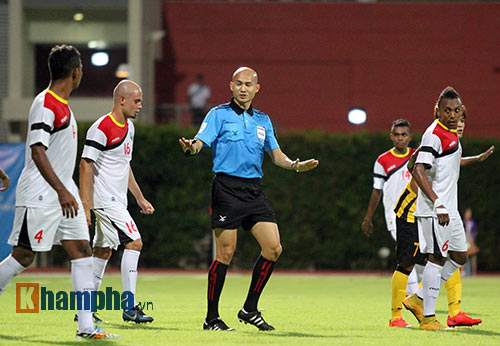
315, 61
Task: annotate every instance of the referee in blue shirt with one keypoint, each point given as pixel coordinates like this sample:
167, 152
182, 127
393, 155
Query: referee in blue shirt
239, 135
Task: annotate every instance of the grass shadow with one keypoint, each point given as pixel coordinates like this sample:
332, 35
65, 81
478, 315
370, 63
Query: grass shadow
32, 339
295, 334
137, 326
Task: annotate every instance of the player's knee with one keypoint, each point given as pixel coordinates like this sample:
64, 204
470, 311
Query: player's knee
459, 257
102, 252
225, 254
407, 266
24, 256
81, 250
273, 253
134, 245
437, 259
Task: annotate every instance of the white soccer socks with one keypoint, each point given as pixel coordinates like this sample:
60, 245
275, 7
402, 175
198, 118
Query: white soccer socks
412, 284
130, 260
448, 269
81, 276
430, 287
9, 268
99, 267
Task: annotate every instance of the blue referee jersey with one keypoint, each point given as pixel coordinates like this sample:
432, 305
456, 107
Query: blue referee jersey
238, 139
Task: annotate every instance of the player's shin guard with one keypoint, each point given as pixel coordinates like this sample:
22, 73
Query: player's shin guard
130, 260
412, 284
81, 276
430, 287
449, 268
399, 281
261, 272
216, 277
9, 268
454, 291
99, 266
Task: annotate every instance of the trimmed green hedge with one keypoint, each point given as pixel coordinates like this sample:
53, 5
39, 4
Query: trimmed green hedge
319, 213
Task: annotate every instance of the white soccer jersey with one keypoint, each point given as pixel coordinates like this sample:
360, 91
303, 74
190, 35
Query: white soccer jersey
109, 144
391, 175
441, 150
52, 124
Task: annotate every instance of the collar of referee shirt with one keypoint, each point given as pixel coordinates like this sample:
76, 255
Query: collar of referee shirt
234, 106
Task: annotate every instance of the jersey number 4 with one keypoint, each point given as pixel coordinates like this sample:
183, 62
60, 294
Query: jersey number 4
38, 236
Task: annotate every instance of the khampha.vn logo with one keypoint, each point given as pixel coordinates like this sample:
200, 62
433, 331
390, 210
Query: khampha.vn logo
31, 298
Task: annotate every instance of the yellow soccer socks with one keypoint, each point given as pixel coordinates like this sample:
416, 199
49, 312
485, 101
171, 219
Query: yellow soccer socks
454, 291
399, 281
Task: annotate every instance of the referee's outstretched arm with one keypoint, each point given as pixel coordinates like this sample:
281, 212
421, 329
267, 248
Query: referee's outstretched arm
281, 160
190, 146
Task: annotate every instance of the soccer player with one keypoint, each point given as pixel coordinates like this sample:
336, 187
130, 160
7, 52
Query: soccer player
239, 134
407, 226
440, 227
47, 200
105, 177
390, 175
5, 180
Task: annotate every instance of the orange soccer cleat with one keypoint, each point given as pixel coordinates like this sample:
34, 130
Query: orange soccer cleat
462, 319
415, 305
399, 322
431, 323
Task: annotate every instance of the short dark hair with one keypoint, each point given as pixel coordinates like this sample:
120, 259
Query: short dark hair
464, 113
62, 60
400, 123
448, 93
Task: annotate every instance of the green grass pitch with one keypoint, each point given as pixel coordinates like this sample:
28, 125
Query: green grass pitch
305, 309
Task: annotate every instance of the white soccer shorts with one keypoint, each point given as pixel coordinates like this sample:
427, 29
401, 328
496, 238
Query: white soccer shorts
45, 227
433, 236
114, 227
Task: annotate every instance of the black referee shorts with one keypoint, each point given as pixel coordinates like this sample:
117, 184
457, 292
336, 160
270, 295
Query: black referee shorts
407, 245
239, 202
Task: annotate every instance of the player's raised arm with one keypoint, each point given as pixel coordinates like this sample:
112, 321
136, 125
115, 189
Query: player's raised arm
281, 160
5, 180
66, 199
477, 158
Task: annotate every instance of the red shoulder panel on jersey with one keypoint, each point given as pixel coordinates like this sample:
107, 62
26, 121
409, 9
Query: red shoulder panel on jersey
391, 162
449, 139
62, 113
114, 134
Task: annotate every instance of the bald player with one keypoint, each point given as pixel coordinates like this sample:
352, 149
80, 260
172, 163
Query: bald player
239, 135
105, 177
